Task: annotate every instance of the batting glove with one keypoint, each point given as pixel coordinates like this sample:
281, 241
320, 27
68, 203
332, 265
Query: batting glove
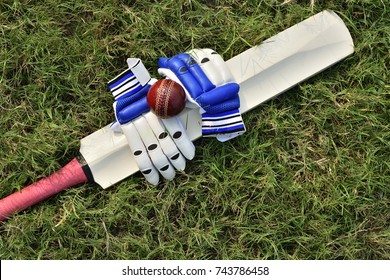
158, 145
209, 85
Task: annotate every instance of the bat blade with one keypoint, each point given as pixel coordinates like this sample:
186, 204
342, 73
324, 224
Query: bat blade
263, 72
290, 57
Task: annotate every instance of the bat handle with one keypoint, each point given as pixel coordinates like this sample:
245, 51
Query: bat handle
74, 173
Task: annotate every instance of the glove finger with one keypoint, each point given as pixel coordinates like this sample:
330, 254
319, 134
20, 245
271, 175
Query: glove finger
140, 154
213, 66
170, 75
180, 137
180, 70
167, 145
155, 152
211, 71
219, 96
217, 60
196, 71
126, 110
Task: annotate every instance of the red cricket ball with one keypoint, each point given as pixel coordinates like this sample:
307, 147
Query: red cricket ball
166, 98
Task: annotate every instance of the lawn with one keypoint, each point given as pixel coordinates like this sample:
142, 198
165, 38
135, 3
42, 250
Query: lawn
310, 179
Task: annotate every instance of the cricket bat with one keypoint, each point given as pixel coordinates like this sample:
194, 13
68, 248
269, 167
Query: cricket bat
263, 72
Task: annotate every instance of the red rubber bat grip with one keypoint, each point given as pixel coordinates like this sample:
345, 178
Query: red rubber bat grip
68, 176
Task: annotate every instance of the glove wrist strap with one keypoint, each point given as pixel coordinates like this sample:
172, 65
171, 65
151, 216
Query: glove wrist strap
131, 80
228, 123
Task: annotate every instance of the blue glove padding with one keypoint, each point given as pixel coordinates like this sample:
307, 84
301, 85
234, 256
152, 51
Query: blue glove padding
158, 146
209, 84
132, 106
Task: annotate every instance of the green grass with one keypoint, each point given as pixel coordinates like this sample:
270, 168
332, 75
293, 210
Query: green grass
309, 180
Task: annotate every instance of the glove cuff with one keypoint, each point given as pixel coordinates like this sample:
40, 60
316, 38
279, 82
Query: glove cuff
228, 124
131, 80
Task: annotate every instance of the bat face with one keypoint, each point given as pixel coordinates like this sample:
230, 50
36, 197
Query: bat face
263, 72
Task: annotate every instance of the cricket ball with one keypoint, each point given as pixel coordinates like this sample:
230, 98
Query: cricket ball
166, 98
